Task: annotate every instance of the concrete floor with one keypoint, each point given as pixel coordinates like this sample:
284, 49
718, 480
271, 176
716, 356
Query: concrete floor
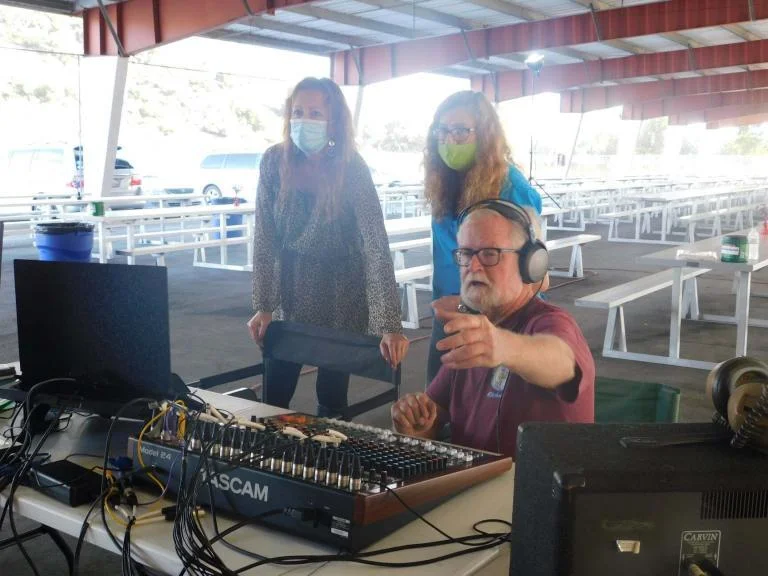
209, 309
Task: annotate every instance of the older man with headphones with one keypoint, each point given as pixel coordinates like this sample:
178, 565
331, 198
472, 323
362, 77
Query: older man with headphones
509, 356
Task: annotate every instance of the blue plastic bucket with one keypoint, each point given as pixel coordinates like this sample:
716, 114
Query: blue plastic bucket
64, 241
232, 219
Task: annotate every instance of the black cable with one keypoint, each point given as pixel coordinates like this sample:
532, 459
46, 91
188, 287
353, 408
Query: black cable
362, 557
85, 525
195, 548
193, 545
83, 530
127, 562
82, 455
200, 544
9, 503
488, 540
110, 432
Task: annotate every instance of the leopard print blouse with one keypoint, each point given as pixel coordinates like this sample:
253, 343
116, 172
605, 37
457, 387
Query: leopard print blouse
336, 274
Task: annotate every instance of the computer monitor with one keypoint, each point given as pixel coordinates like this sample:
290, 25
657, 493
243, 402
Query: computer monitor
105, 325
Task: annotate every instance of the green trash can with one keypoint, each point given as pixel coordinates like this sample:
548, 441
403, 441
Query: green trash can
629, 401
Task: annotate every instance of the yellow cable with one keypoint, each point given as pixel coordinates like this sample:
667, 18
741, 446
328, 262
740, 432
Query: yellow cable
182, 426
109, 511
115, 518
147, 426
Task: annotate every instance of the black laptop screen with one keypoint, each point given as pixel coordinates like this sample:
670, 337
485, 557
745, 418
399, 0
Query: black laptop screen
105, 325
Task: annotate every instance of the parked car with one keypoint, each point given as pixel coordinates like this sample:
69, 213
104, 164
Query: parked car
226, 175
57, 170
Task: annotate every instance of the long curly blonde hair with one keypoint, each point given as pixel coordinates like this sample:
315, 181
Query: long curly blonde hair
447, 191
328, 178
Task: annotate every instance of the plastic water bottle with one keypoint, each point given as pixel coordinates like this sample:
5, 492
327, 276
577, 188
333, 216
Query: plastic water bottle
753, 245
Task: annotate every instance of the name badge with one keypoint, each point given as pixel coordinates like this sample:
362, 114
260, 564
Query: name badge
499, 378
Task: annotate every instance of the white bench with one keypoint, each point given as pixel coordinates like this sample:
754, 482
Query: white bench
399, 249
19, 227
716, 217
406, 277
159, 251
613, 300
199, 234
576, 267
640, 215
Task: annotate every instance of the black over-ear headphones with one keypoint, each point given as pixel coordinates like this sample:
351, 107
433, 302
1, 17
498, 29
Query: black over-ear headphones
533, 256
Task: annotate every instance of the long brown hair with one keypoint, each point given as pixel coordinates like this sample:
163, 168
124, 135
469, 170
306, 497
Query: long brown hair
328, 177
449, 192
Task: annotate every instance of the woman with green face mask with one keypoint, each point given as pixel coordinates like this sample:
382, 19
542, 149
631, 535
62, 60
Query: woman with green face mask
467, 159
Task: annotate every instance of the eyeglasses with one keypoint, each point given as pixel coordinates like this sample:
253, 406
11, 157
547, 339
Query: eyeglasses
487, 256
458, 133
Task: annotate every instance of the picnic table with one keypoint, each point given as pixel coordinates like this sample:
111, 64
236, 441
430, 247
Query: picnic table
133, 219
706, 254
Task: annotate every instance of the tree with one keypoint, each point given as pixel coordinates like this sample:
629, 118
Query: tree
249, 117
651, 137
602, 143
397, 139
749, 141
689, 147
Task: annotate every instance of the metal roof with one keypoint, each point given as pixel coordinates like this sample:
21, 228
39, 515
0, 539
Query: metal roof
389, 21
58, 6
488, 40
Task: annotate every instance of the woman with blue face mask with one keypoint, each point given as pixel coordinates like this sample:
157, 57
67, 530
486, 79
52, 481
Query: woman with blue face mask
467, 159
321, 254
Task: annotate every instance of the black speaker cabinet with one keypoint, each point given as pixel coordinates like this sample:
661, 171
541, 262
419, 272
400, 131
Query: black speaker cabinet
636, 500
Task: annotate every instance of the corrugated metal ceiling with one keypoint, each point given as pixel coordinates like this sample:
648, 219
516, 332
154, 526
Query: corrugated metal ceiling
341, 24
713, 36
328, 26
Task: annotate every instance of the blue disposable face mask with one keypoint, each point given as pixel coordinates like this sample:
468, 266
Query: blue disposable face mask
309, 136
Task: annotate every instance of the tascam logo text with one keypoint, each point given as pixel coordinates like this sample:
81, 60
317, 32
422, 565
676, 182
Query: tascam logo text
240, 487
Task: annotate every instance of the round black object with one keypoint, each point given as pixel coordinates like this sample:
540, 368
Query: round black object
225, 200
63, 227
724, 378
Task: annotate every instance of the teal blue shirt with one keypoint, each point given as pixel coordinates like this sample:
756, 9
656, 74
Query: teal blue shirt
445, 277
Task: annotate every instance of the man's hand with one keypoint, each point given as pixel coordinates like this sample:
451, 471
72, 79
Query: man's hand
446, 304
473, 341
414, 415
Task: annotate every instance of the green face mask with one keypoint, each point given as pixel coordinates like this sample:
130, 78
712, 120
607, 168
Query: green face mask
458, 157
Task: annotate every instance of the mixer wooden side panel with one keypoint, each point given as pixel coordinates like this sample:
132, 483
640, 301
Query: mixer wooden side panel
377, 507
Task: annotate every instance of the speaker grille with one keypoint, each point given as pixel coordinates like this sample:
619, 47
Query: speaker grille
726, 504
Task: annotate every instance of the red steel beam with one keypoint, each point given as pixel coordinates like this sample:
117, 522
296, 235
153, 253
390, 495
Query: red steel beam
388, 61
515, 84
144, 24
718, 113
749, 120
600, 97
686, 104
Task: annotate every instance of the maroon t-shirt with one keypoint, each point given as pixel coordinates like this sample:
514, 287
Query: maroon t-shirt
472, 396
